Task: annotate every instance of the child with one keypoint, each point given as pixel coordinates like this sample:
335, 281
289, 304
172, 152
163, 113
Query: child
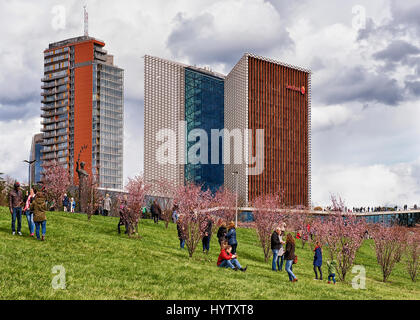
318, 260
331, 270
72, 205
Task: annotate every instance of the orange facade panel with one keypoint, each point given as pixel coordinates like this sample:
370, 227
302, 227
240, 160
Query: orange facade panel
83, 116
278, 103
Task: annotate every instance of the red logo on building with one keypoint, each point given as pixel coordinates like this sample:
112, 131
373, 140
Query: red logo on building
302, 89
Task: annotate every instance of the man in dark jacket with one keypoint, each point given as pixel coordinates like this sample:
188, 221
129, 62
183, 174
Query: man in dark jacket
156, 211
15, 207
66, 203
276, 244
207, 236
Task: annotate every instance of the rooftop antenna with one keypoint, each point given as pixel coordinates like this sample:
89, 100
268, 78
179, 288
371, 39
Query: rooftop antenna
86, 22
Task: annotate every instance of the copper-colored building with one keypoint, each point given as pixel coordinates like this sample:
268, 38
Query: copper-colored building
83, 106
261, 93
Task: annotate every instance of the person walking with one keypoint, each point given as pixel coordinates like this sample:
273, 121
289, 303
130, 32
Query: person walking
229, 260
28, 213
15, 207
289, 256
318, 260
231, 237
221, 234
72, 205
38, 207
156, 211
66, 203
332, 267
107, 205
207, 236
180, 229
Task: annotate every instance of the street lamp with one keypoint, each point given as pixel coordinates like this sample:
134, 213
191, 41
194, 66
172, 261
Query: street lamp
235, 173
30, 163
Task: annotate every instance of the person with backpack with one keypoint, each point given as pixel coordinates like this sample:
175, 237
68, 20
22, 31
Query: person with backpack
15, 207
318, 260
289, 256
29, 214
39, 207
231, 237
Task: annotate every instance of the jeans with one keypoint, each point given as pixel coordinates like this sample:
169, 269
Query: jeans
42, 224
30, 218
316, 274
181, 243
17, 213
232, 263
289, 264
276, 259
206, 243
234, 246
105, 212
331, 275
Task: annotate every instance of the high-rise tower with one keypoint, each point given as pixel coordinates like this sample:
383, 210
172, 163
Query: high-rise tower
83, 105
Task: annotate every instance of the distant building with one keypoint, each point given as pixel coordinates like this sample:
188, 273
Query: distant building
83, 105
258, 94
175, 92
35, 154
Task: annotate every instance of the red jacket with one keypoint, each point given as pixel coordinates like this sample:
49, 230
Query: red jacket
224, 256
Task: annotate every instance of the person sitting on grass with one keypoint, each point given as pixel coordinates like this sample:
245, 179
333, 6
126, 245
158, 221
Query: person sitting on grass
38, 207
331, 270
228, 260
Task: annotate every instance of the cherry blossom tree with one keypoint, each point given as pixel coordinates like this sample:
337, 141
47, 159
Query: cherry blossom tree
93, 195
342, 234
168, 189
136, 189
193, 206
224, 202
412, 254
267, 217
56, 181
389, 242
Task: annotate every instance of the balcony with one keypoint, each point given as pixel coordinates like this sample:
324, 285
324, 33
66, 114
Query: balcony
52, 113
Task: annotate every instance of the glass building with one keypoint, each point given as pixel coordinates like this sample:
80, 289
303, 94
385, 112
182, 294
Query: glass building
204, 109
35, 154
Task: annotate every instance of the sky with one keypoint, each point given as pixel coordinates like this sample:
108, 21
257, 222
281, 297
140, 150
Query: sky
364, 55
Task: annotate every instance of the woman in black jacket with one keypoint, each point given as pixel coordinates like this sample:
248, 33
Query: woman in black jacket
289, 256
221, 234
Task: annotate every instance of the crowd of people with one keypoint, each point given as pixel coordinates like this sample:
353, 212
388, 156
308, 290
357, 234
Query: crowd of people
33, 205
282, 245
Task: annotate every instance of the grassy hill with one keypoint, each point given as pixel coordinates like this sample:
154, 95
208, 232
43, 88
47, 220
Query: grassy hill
101, 264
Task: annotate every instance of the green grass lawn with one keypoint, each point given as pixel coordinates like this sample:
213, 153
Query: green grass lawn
101, 264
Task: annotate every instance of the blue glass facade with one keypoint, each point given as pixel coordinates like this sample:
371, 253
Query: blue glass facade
38, 163
204, 109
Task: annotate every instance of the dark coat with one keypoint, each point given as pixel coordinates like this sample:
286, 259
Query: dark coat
275, 241
179, 229
289, 254
318, 257
38, 207
15, 199
221, 233
209, 228
231, 237
155, 210
66, 201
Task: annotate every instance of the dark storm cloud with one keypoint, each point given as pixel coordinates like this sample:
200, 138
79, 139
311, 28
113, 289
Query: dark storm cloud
359, 85
19, 109
191, 38
413, 87
396, 51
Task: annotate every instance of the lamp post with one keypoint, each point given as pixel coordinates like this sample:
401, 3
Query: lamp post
235, 173
30, 163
